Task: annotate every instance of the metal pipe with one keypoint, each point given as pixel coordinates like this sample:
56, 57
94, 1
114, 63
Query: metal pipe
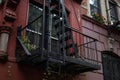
96, 51
43, 28
62, 25
106, 5
49, 26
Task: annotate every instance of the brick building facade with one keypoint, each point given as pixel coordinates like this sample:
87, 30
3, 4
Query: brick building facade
30, 41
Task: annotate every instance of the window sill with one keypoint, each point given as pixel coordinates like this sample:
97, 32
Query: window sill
83, 6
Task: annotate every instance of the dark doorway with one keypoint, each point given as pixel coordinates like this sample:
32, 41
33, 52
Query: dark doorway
111, 65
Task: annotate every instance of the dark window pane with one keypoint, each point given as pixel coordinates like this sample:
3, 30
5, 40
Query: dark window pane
34, 30
95, 6
111, 66
35, 12
113, 10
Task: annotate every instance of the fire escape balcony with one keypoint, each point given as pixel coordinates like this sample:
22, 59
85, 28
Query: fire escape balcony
55, 45
29, 51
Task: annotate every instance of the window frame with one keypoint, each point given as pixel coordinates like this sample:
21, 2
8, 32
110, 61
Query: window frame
34, 31
114, 7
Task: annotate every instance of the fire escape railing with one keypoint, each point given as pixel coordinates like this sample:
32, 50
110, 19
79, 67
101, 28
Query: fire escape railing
86, 45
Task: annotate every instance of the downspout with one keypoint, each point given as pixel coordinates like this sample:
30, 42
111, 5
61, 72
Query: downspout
110, 39
8, 18
108, 16
107, 11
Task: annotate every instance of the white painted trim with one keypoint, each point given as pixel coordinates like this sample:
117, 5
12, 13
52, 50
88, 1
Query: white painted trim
88, 7
118, 8
102, 6
85, 7
39, 33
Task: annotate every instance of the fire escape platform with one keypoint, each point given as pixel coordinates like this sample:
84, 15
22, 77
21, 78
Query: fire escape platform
70, 64
57, 51
79, 65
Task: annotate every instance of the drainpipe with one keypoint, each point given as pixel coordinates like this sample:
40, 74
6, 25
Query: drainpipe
107, 11
108, 20
110, 39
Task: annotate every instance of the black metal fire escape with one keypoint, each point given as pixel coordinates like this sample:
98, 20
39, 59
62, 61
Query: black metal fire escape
68, 57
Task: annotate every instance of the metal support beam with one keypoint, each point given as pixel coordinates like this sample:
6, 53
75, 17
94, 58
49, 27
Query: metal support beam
43, 27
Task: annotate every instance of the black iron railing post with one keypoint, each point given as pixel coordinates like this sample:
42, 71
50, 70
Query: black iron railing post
49, 26
96, 52
63, 30
43, 28
19, 29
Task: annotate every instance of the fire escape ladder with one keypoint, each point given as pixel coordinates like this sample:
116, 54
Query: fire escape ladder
64, 33
53, 62
68, 49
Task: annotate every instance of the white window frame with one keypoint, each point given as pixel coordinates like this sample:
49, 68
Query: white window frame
102, 5
36, 32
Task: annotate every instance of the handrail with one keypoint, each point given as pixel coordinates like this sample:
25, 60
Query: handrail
86, 43
75, 30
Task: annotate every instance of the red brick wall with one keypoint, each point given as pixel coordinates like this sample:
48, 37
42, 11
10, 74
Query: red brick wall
12, 70
16, 72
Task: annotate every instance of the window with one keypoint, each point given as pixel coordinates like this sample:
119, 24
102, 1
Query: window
35, 13
0, 1
113, 11
95, 6
34, 30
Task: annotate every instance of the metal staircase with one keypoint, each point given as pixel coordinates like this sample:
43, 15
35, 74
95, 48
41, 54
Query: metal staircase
61, 54
64, 32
